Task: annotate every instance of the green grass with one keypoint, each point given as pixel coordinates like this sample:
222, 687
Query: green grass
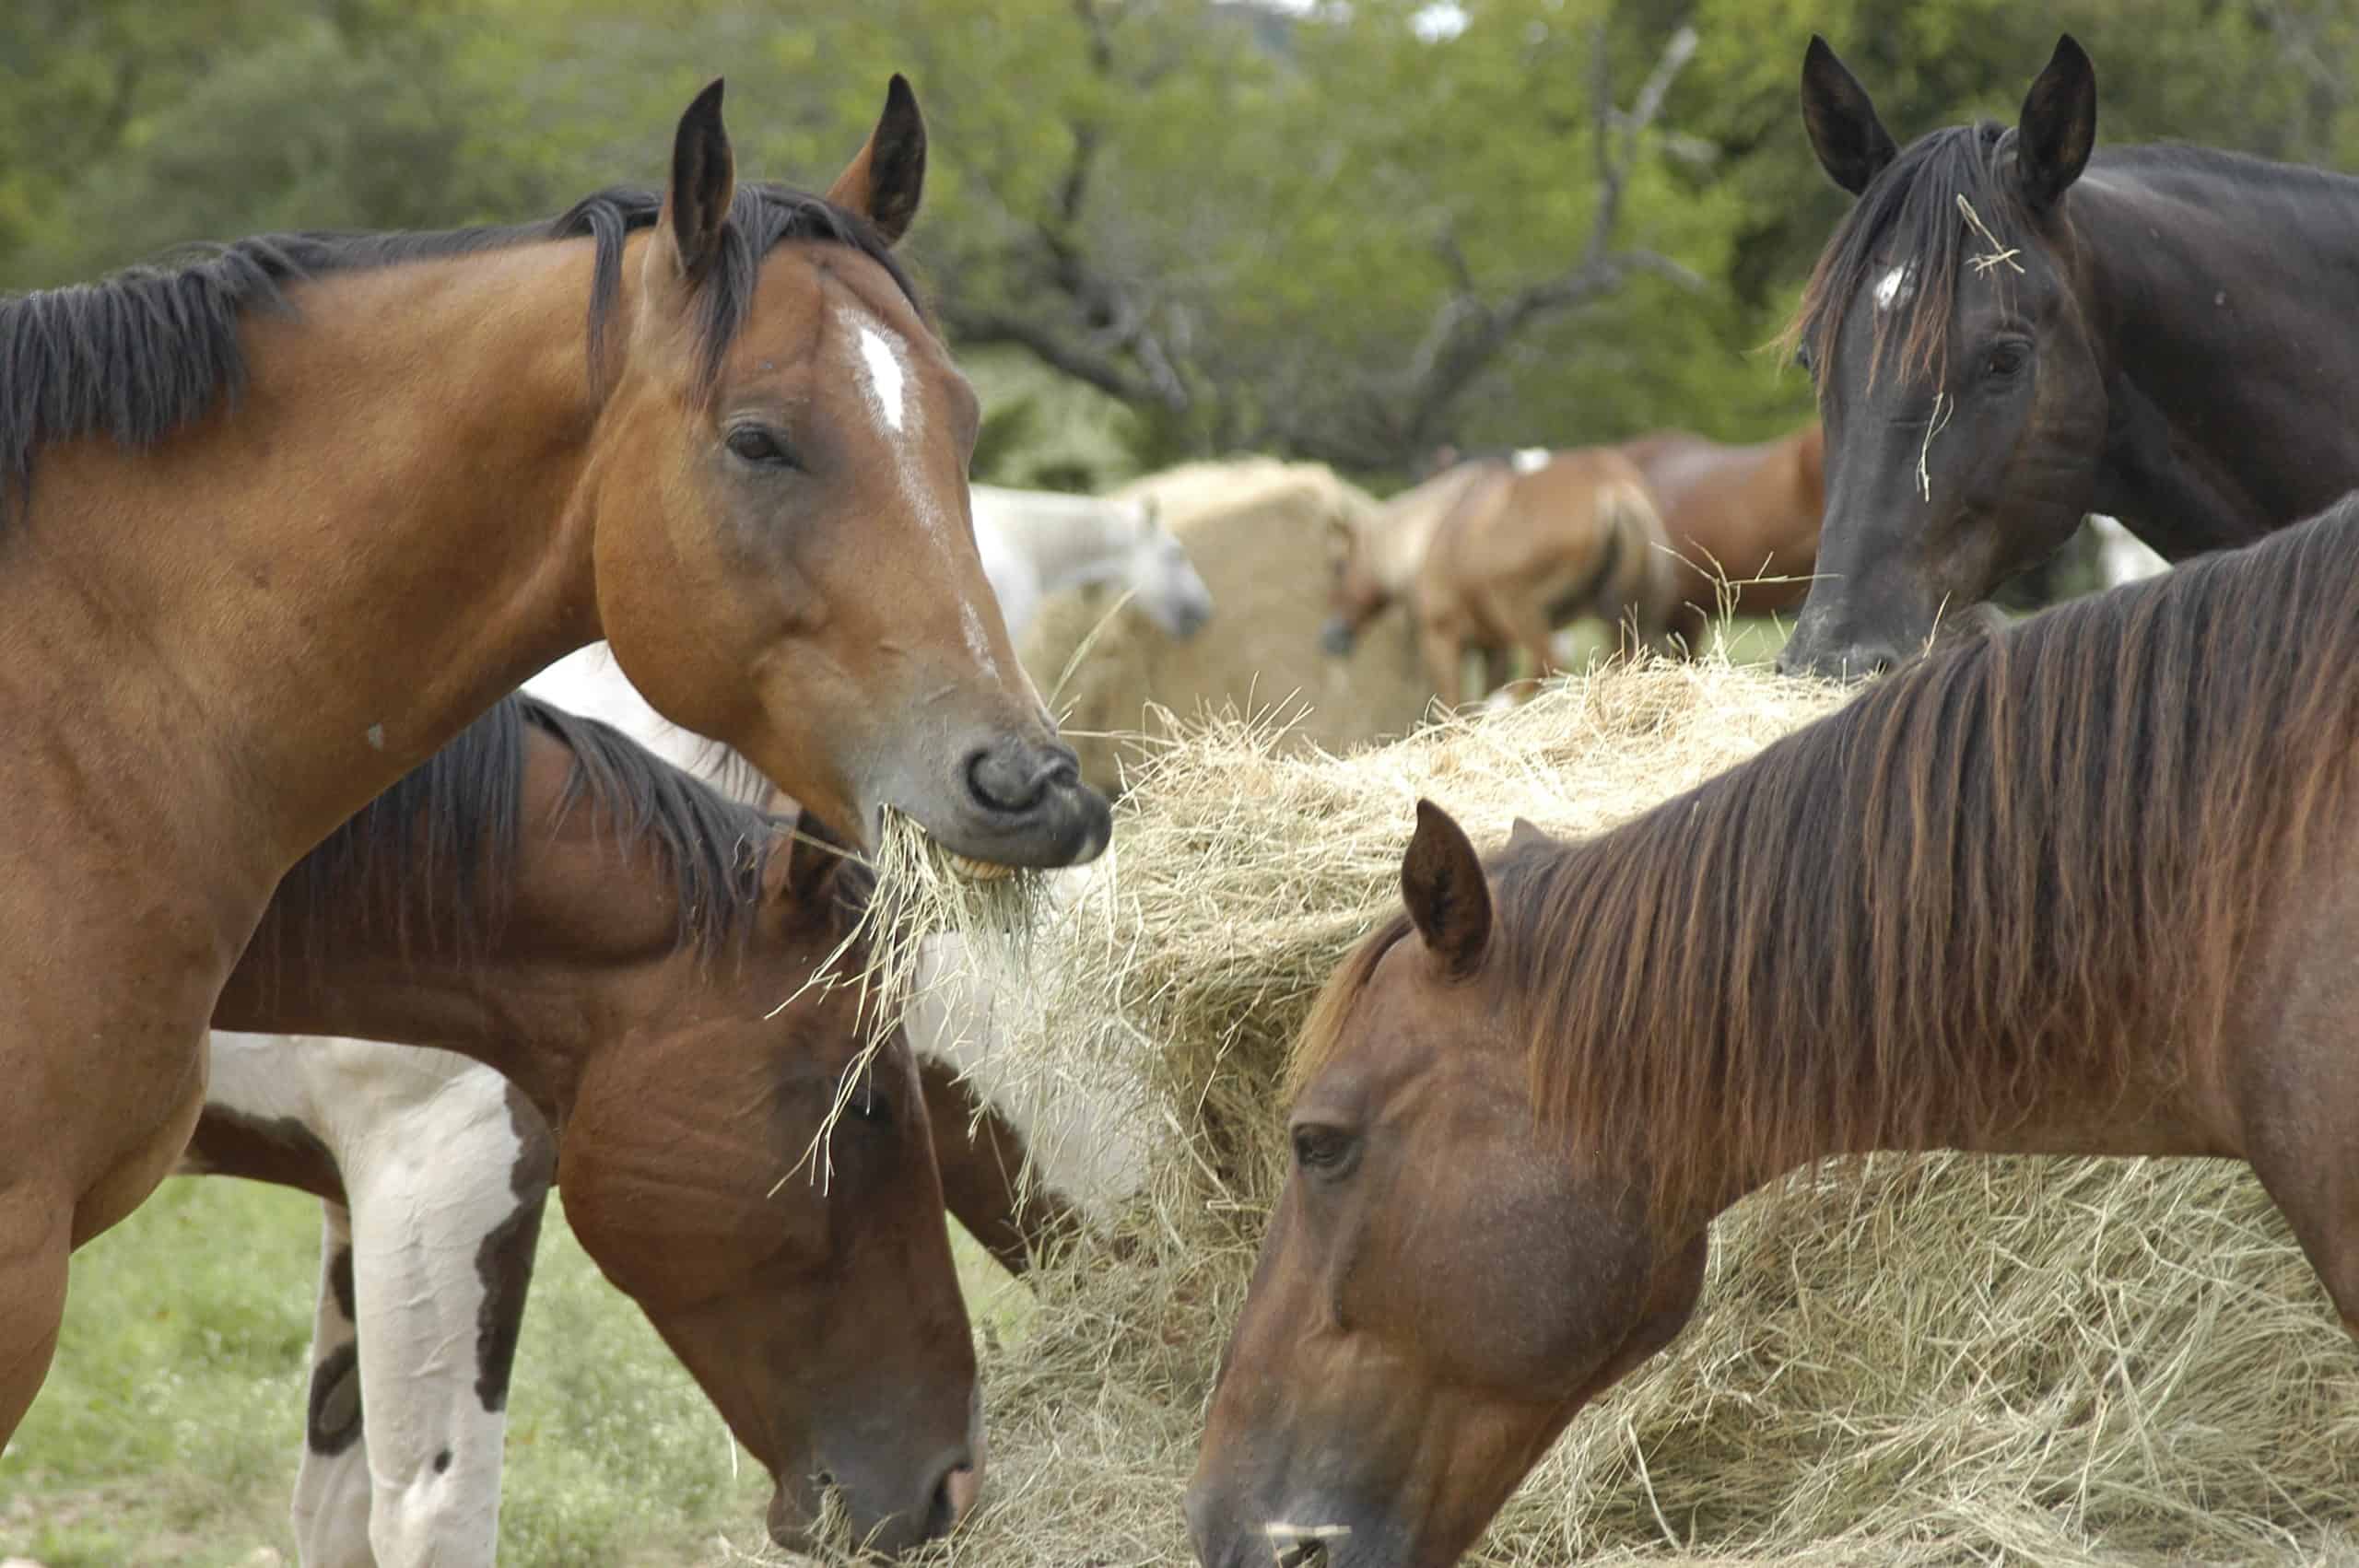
168, 1430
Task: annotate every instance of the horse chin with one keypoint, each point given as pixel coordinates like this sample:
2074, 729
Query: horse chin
793, 1515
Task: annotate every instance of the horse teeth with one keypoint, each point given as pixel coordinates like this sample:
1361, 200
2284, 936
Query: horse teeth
974, 869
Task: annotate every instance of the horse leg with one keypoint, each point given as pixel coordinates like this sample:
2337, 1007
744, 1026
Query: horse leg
1692, 625
446, 1196
1445, 662
36, 1238
331, 1511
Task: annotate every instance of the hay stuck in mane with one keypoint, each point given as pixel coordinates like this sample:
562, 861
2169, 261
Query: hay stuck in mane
1933, 1359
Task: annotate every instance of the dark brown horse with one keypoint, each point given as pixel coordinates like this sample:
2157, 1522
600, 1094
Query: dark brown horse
2011, 329
2090, 886
616, 939
277, 524
1743, 520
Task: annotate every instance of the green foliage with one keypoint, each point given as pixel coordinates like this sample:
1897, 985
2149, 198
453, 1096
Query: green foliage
1251, 225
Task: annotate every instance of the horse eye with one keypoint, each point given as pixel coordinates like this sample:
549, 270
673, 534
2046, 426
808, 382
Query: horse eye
1321, 1148
2004, 360
761, 446
872, 1108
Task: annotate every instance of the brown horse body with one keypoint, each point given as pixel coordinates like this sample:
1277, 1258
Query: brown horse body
228, 622
1537, 540
613, 937
1743, 520
2090, 886
1375, 560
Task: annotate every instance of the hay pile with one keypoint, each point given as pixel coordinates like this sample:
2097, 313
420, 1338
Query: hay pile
1256, 531
1913, 1360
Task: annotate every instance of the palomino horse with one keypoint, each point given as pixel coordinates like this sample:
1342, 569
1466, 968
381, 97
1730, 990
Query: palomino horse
619, 943
1550, 536
2087, 886
1743, 520
1036, 542
277, 524
2001, 345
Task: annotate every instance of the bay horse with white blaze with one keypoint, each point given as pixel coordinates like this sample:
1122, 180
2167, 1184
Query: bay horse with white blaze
277, 524
634, 954
2013, 327
2089, 886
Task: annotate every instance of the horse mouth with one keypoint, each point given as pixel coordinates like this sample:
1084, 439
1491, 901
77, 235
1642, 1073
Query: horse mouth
972, 869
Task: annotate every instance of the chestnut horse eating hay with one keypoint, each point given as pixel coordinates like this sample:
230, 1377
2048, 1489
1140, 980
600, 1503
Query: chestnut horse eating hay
636, 954
2089, 886
277, 524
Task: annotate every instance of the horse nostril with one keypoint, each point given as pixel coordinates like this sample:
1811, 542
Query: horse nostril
1009, 779
954, 1499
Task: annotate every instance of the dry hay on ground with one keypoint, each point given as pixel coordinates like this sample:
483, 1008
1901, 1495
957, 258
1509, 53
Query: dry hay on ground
1910, 1361
1258, 533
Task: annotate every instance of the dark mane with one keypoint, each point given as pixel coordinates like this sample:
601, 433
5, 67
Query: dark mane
140, 354
2037, 860
1909, 213
433, 861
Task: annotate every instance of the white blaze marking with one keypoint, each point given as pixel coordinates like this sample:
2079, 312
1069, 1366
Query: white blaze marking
883, 371
889, 383
1532, 460
1895, 286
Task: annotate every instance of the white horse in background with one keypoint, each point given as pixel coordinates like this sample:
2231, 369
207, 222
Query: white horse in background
1036, 542
401, 1464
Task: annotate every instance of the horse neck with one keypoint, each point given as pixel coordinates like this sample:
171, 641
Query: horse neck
585, 952
2205, 288
1397, 544
382, 538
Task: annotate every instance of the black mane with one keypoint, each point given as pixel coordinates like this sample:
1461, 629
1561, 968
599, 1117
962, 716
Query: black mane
432, 861
138, 355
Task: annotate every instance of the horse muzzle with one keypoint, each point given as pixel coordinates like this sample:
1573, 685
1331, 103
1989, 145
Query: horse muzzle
1337, 637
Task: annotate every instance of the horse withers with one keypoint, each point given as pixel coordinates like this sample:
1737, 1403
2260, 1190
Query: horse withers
277, 524
1993, 905
2013, 327
642, 960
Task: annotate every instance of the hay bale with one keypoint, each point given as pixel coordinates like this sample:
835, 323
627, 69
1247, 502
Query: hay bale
1933, 1359
1258, 532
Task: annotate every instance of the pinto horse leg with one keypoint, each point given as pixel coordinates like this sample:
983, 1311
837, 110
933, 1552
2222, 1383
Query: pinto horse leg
331, 1511
36, 1231
1445, 662
446, 1182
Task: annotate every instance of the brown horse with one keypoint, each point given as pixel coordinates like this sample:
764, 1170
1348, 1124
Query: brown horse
2013, 328
1547, 536
616, 939
1375, 560
277, 524
2090, 886
1743, 520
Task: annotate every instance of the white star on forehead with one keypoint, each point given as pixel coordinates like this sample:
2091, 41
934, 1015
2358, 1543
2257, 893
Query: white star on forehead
1895, 286
887, 383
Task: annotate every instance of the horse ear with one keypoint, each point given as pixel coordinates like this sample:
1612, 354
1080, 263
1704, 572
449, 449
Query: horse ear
1851, 143
884, 182
813, 854
2058, 129
1526, 833
704, 182
1442, 883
